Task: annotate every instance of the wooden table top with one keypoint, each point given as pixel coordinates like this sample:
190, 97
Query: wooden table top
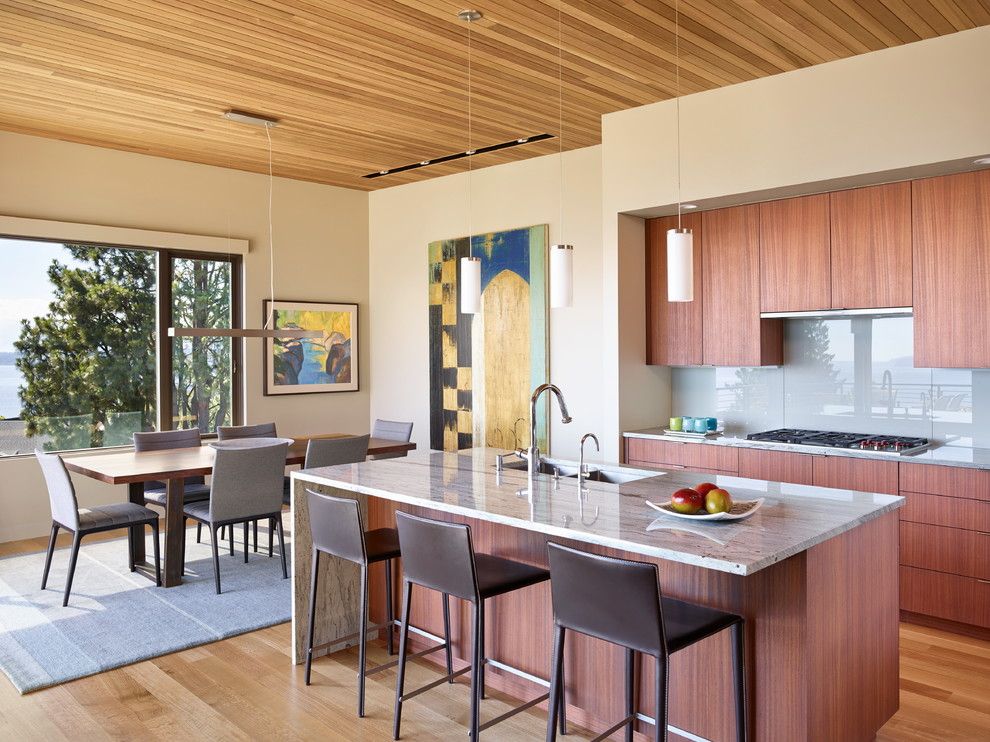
125, 467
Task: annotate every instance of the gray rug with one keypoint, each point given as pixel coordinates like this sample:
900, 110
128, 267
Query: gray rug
116, 617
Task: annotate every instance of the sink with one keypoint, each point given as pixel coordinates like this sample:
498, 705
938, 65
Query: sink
610, 476
545, 467
614, 476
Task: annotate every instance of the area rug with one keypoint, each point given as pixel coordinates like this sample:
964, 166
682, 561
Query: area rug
116, 617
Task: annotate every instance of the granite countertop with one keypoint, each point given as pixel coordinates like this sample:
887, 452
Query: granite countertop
942, 455
793, 518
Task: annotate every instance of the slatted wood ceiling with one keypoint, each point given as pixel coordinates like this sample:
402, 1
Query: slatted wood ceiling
363, 85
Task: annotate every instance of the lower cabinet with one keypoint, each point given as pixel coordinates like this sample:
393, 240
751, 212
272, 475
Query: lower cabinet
712, 459
949, 597
776, 466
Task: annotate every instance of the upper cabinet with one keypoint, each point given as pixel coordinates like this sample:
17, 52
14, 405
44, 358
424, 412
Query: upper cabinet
951, 236
871, 247
795, 255
673, 329
734, 334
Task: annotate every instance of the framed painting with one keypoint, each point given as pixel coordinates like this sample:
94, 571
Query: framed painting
312, 365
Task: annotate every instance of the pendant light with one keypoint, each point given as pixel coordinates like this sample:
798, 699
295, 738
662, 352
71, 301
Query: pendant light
470, 279
561, 254
680, 241
269, 330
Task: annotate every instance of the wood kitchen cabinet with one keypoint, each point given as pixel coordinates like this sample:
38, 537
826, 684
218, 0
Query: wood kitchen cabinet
846, 472
733, 333
871, 247
951, 238
776, 466
673, 329
795, 254
686, 455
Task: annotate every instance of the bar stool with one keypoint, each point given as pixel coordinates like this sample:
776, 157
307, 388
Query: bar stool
335, 524
619, 601
440, 556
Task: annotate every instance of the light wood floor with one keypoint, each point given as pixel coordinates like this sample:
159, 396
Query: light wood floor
244, 688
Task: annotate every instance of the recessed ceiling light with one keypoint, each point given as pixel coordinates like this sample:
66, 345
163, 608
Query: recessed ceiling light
982, 161
522, 141
689, 206
383, 172
243, 117
471, 152
470, 15
425, 162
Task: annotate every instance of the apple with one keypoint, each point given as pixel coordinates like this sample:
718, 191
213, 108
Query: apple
687, 501
705, 487
718, 501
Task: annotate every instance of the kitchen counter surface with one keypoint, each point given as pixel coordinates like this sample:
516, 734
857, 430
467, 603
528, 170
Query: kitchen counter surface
945, 455
793, 519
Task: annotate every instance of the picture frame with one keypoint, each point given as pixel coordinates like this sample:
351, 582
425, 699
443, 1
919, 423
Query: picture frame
312, 365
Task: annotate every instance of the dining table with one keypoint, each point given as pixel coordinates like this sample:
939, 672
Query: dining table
172, 466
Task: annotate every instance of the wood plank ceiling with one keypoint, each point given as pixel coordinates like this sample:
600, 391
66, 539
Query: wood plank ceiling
362, 85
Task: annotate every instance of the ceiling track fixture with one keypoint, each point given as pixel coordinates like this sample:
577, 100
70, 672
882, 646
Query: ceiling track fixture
460, 155
254, 119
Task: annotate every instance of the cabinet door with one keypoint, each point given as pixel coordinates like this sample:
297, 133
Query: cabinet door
734, 334
682, 455
775, 466
952, 597
795, 258
864, 475
673, 329
951, 236
871, 247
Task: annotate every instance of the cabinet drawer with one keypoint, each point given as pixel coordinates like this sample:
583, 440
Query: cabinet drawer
951, 597
952, 550
775, 466
949, 481
683, 455
849, 473
952, 512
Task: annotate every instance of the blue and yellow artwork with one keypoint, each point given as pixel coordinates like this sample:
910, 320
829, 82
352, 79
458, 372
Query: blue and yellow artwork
326, 363
483, 367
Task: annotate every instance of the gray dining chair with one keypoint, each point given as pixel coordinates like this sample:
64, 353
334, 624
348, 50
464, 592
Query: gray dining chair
352, 449
82, 522
259, 430
246, 487
391, 430
194, 488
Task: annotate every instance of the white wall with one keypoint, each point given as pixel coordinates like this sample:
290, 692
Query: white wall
851, 120
321, 238
405, 219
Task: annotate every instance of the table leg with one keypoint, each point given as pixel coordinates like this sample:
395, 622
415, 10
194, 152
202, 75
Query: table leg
174, 490
135, 493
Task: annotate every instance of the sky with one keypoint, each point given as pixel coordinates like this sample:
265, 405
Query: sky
25, 290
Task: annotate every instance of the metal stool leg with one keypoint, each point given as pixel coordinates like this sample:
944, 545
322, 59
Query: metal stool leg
477, 644
446, 638
630, 692
660, 700
556, 682
481, 649
401, 676
158, 556
389, 611
362, 639
739, 670
246, 540
314, 583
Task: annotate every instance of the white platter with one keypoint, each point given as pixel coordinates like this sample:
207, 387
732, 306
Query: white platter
740, 509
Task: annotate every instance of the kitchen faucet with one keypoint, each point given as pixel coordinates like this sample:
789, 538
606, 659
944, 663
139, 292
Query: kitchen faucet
583, 469
532, 454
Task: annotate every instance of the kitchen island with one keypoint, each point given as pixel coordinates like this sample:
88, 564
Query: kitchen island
814, 572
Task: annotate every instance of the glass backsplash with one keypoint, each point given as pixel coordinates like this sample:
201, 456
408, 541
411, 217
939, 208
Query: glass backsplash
851, 374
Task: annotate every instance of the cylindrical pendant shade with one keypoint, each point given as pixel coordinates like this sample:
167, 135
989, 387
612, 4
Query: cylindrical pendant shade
561, 276
680, 265
470, 285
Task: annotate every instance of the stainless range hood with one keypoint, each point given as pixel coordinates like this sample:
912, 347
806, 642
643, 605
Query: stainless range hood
839, 313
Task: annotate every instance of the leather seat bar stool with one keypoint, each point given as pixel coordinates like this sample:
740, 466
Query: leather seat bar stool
440, 556
619, 601
337, 530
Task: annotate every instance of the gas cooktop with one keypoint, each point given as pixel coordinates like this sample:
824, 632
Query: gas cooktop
890, 444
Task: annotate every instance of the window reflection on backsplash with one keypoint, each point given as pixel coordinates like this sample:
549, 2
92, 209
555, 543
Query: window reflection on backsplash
850, 374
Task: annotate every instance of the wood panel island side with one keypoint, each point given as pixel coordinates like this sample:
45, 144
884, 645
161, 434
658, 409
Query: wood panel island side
814, 573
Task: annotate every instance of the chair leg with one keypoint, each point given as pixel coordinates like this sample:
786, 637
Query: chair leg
446, 638
562, 716
401, 673
556, 682
281, 546
199, 532
660, 700
477, 645
184, 522
389, 611
214, 542
362, 639
630, 691
230, 537
481, 648
255, 537
48, 558
314, 583
246, 540
76, 538
739, 670
271, 536
158, 553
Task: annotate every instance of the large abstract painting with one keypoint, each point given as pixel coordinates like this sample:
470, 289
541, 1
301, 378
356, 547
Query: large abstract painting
483, 367
328, 363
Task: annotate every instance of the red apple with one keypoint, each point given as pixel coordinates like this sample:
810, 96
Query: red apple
705, 487
718, 501
687, 501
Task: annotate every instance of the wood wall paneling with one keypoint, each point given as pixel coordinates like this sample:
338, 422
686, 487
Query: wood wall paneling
776, 466
951, 597
673, 329
865, 475
949, 481
734, 334
951, 238
795, 261
950, 550
871, 247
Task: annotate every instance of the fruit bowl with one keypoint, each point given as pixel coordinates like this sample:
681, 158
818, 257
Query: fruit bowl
740, 509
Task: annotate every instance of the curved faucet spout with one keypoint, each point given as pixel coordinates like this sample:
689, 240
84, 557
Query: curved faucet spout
534, 450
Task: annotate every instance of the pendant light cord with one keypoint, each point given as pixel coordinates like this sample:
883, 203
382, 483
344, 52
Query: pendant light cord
271, 239
560, 114
677, 100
